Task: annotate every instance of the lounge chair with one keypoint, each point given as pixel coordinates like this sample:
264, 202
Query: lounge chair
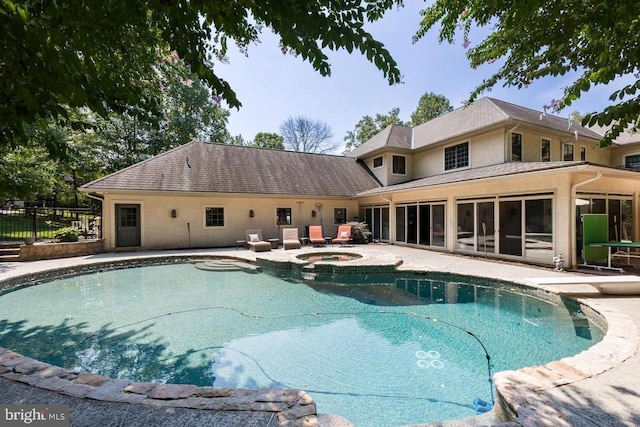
344, 235
315, 235
290, 238
255, 242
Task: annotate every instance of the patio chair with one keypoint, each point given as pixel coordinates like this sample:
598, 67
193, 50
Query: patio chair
290, 238
344, 235
255, 242
315, 235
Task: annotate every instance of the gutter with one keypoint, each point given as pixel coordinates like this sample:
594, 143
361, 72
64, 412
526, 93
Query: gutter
573, 222
95, 196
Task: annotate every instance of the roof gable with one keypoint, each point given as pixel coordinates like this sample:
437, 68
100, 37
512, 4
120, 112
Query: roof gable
393, 136
219, 168
487, 112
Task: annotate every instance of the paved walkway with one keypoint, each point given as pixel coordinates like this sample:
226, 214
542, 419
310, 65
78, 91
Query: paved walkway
599, 387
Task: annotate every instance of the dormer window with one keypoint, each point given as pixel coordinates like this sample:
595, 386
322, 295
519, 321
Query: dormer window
456, 156
399, 165
377, 162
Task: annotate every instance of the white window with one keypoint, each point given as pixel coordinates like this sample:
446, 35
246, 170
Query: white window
583, 153
377, 162
456, 156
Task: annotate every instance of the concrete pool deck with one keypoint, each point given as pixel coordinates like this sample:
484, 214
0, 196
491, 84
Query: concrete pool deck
598, 387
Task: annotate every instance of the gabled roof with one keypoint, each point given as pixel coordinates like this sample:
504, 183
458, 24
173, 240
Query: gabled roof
493, 171
626, 137
393, 136
488, 112
219, 168
476, 116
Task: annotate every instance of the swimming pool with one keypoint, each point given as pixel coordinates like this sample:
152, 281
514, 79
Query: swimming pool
370, 352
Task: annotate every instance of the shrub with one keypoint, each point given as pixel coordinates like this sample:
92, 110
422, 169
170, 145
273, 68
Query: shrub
359, 232
67, 234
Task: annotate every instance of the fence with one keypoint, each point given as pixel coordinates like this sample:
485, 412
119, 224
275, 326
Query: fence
41, 223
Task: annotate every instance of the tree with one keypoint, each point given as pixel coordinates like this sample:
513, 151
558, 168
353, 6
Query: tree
236, 140
102, 55
598, 41
268, 140
369, 126
429, 107
303, 134
188, 110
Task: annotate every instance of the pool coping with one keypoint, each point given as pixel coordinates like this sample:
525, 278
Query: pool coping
519, 394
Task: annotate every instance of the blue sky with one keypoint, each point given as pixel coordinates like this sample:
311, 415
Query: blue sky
273, 86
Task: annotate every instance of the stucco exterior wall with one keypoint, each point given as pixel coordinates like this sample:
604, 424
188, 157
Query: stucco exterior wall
385, 174
559, 185
486, 149
187, 230
618, 154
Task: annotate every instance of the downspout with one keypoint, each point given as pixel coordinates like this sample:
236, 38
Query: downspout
573, 233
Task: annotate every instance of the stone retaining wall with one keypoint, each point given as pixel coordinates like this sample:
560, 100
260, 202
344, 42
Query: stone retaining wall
291, 407
60, 250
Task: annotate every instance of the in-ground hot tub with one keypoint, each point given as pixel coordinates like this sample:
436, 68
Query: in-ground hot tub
329, 257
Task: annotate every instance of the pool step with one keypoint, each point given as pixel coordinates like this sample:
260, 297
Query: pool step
228, 265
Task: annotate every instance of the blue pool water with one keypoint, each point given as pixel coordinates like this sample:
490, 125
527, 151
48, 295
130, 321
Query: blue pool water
371, 352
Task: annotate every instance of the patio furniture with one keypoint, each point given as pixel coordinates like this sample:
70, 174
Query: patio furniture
315, 235
344, 235
255, 242
274, 243
290, 238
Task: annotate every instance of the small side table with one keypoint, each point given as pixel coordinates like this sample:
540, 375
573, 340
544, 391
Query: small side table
274, 243
304, 241
328, 241
239, 243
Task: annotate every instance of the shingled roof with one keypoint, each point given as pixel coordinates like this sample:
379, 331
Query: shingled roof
493, 171
218, 168
393, 136
488, 112
476, 116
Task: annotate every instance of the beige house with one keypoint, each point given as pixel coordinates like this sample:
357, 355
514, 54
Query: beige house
207, 195
491, 178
